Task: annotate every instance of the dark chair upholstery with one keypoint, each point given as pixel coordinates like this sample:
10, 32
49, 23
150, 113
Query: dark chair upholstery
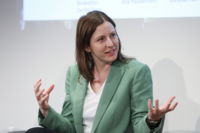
163, 121
17, 132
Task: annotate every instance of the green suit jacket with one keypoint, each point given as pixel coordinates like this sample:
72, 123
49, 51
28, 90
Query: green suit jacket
122, 108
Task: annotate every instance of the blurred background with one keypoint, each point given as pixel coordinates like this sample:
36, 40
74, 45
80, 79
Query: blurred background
37, 40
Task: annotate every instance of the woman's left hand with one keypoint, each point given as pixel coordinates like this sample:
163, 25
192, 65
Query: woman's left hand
156, 113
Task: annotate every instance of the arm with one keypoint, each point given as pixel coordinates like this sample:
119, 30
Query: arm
141, 91
62, 123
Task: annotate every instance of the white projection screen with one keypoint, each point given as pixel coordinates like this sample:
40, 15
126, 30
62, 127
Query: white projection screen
37, 40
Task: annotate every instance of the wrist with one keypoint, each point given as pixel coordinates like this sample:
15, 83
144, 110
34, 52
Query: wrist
152, 122
152, 119
44, 112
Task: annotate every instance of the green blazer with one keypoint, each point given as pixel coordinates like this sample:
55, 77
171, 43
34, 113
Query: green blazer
122, 108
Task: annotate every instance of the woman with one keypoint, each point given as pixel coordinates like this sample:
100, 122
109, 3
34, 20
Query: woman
105, 91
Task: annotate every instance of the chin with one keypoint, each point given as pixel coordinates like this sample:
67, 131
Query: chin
112, 59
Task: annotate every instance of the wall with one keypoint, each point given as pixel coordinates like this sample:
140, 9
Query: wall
33, 50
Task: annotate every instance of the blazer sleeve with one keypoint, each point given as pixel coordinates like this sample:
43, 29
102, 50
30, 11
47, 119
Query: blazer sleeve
63, 123
141, 91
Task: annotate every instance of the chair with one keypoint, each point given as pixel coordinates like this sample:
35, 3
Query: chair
17, 132
162, 124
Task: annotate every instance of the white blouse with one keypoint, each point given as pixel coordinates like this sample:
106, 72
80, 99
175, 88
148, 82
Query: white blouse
90, 106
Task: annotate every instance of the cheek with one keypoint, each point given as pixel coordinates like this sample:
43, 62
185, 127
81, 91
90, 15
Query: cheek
117, 43
98, 49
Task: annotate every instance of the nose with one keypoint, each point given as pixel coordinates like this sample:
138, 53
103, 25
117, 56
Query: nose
109, 42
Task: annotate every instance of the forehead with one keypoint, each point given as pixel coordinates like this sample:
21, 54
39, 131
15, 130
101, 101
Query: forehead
104, 28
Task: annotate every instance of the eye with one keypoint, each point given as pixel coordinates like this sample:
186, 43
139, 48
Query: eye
113, 34
100, 39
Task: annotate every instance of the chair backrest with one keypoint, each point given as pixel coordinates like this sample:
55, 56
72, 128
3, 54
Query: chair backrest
162, 124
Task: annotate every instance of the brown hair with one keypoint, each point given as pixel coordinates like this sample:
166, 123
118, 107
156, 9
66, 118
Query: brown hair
85, 28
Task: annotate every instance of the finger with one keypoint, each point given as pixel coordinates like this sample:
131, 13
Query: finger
173, 107
49, 89
37, 86
156, 106
150, 106
168, 103
171, 99
41, 102
47, 98
38, 95
166, 108
39, 80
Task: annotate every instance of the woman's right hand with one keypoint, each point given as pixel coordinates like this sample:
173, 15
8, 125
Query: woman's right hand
42, 97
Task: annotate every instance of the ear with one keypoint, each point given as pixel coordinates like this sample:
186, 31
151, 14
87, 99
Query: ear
87, 48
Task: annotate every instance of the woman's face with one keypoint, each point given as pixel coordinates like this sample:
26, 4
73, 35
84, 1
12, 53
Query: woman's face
104, 44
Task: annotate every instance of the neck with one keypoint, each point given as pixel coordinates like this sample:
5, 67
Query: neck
102, 68
101, 71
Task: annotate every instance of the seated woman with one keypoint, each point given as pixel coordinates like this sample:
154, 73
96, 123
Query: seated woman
106, 92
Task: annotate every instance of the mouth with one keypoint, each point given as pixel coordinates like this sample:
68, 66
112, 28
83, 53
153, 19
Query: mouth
111, 51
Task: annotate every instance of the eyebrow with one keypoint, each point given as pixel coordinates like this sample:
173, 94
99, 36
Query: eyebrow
103, 35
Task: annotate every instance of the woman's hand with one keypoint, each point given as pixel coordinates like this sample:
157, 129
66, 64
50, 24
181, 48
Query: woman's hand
42, 97
156, 113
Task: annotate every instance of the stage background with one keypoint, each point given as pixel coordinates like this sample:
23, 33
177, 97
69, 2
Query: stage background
30, 50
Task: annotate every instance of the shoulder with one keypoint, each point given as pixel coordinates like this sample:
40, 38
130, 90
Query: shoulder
135, 65
135, 70
73, 70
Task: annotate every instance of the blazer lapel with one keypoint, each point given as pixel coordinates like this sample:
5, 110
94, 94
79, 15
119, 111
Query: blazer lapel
78, 104
114, 77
